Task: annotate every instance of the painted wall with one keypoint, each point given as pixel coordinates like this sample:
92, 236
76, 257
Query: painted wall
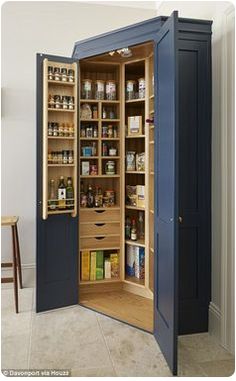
28, 28
221, 312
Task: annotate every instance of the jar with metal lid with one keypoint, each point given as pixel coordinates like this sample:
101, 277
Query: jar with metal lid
110, 131
64, 102
95, 132
55, 129
60, 129
71, 103
57, 101
54, 157
66, 129
71, 75
99, 89
50, 129
111, 90
57, 74
115, 134
109, 196
130, 90
70, 156
141, 88
71, 130
110, 167
49, 157
65, 157
89, 132
59, 157
51, 102
50, 73
64, 74
112, 151
86, 89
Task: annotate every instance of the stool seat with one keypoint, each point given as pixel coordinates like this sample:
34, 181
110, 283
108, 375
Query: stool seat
9, 220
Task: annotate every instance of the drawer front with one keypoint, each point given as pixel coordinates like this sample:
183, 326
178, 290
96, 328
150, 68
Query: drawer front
99, 228
107, 215
95, 243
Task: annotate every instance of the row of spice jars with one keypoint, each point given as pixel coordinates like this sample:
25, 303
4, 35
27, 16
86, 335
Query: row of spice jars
61, 157
61, 74
135, 89
89, 131
64, 102
61, 129
98, 89
109, 131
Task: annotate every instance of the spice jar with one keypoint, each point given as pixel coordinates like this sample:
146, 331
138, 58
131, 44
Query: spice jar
57, 101
71, 75
130, 90
111, 90
59, 157
50, 129
71, 103
71, 130
99, 89
141, 87
95, 132
50, 73
55, 129
66, 129
65, 157
51, 102
104, 131
110, 131
86, 89
61, 129
64, 102
64, 74
70, 157
57, 74
49, 158
115, 135
95, 112
110, 168
89, 132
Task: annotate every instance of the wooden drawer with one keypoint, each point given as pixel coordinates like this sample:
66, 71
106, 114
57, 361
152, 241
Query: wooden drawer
99, 228
95, 243
103, 215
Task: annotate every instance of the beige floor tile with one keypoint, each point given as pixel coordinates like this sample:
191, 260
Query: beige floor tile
94, 372
67, 339
133, 352
15, 350
222, 368
203, 347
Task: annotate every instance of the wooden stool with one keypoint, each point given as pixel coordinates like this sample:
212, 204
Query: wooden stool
12, 221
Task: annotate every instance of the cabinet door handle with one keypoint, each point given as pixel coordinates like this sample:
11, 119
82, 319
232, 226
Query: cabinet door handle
99, 211
101, 224
180, 219
99, 238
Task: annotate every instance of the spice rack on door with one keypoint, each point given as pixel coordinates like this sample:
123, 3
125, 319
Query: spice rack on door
57, 142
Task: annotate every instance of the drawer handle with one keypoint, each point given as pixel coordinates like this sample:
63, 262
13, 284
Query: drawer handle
99, 238
101, 224
99, 211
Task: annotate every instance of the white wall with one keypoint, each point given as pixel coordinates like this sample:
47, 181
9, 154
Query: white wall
28, 28
221, 313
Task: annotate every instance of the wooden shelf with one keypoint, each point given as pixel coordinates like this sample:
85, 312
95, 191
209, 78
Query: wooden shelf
89, 120
61, 165
111, 280
60, 110
139, 242
98, 176
111, 102
89, 138
61, 138
110, 139
102, 208
135, 172
110, 157
61, 83
89, 100
133, 279
67, 211
136, 100
99, 101
135, 137
110, 120
102, 248
88, 157
134, 207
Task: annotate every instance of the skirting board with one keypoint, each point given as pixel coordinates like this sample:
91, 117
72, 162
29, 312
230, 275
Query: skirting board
28, 274
215, 321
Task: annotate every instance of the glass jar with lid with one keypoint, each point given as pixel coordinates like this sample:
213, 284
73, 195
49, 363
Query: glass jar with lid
64, 74
111, 90
141, 88
110, 167
50, 73
86, 89
71, 75
57, 74
57, 101
130, 90
99, 89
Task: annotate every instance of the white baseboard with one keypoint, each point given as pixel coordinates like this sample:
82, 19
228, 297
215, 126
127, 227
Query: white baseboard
215, 321
28, 274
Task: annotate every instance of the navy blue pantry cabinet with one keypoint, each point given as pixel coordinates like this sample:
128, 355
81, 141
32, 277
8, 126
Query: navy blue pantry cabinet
172, 292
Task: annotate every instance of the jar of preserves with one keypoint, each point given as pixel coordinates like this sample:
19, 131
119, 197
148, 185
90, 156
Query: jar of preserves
86, 89
111, 90
99, 89
50, 73
71, 75
141, 88
112, 151
110, 167
57, 74
57, 101
64, 74
130, 90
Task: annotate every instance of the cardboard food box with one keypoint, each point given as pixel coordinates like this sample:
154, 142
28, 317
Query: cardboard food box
93, 265
130, 260
107, 268
85, 168
99, 265
114, 259
135, 125
85, 265
139, 262
141, 196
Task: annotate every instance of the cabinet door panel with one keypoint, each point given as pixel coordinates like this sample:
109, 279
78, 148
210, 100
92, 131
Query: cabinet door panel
57, 234
166, 194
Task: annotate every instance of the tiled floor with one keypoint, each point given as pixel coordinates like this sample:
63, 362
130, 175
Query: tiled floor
90, 344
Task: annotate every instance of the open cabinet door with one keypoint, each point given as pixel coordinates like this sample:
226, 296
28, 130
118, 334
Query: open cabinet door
166, 191
57, 224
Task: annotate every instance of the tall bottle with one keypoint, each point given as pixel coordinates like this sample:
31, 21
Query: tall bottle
133, 230
61, 194
90, 197
141, 225
128, 228
69, 193
52, 203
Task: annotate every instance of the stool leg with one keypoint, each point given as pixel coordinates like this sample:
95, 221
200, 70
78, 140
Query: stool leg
15, 268
18, 257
